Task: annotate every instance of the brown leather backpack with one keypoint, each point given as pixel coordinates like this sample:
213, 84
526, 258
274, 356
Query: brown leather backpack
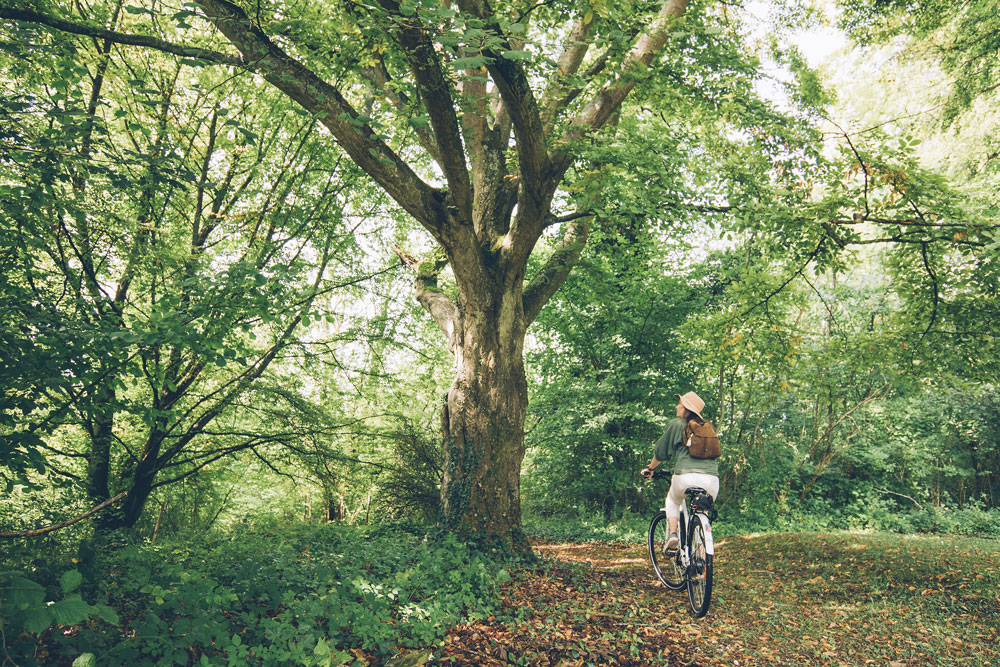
702, 441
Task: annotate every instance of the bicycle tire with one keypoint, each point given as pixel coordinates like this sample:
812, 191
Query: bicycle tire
667, 567
699, 575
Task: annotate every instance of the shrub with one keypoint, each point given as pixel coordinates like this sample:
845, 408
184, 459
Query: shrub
307, 596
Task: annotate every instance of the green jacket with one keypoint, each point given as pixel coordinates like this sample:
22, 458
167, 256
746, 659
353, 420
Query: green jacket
671, 448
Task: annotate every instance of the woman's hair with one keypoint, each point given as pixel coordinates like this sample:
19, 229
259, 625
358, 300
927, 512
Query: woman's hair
691, 416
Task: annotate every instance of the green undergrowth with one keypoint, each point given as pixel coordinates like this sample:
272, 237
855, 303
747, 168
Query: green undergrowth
628, 528
311, 595
969, 521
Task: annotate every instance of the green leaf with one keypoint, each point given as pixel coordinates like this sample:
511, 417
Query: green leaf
24, 593
472, 62
106, 613
70, 581
70, 611
85, 660
517, 55
38, 621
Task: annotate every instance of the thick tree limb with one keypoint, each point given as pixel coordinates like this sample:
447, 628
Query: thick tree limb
354, 135
379, 76
487, 160
577, 44
571, 93
437, 303
435, 91
610, 97
29, 16
37, 532
551, 277
519, 102
485, 145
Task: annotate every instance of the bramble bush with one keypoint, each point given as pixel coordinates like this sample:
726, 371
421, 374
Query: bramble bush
307, 596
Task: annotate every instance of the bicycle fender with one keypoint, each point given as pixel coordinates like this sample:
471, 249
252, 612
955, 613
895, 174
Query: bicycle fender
709, 542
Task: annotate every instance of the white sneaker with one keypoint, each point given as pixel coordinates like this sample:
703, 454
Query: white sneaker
673, 542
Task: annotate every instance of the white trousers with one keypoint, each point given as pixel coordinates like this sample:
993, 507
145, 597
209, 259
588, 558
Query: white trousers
679, 483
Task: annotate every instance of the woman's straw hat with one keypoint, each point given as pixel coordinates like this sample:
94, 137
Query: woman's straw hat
692, 402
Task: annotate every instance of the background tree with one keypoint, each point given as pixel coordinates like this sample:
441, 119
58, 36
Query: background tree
161, 258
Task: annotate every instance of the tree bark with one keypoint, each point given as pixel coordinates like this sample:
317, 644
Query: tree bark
487, 402
99, 456
141, 485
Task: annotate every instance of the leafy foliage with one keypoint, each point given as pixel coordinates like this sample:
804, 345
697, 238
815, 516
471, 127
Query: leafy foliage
310, 595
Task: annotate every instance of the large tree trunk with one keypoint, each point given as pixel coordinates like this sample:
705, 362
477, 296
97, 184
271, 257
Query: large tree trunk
484, 436
141, 485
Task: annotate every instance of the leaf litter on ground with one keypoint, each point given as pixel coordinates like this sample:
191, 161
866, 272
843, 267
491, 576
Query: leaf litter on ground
823, 599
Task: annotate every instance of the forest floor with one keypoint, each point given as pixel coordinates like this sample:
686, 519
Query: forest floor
810, 600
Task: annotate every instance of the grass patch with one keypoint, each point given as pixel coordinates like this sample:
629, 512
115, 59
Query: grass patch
857, 599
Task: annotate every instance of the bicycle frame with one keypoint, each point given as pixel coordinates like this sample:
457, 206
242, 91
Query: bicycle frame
684, 526
691, 565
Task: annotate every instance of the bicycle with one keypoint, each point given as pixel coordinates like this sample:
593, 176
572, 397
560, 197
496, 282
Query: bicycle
690, 565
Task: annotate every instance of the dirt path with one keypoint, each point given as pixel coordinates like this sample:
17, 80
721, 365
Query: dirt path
813, 600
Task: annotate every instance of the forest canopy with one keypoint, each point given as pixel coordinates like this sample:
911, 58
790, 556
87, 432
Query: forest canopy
451, 262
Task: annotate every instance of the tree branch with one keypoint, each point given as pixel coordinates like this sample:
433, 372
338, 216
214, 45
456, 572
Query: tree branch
782, 286
435, 92
442, 309
934, 285
570, 60
49, 529
260, 54
910, 222
609, 98
553, 274
901, 495
29, 16
379, 76
519, 102
353, 133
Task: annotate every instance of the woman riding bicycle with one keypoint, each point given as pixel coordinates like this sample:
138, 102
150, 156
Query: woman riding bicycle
687, 471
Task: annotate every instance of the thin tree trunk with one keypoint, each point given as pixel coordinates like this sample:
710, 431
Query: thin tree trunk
156, 527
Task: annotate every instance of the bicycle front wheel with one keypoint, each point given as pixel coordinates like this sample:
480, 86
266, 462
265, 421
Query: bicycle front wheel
666, 565
699, 579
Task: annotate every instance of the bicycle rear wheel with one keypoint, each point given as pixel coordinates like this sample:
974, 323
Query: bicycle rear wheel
667, 566
699, 579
